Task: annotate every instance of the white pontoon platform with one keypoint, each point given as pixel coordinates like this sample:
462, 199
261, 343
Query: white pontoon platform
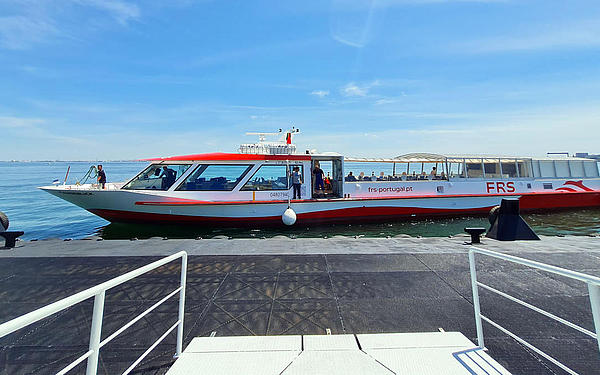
437, 353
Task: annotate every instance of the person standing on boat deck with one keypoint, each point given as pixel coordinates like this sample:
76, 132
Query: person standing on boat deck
168, 176
318, 172
328, 182
101, 177
296, 182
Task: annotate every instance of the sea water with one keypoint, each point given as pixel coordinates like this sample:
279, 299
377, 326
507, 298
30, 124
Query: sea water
42, 215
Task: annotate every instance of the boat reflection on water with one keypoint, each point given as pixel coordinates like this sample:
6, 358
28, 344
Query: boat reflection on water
572, 222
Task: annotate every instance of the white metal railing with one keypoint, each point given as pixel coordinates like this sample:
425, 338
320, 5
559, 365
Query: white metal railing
593, 284
98, 292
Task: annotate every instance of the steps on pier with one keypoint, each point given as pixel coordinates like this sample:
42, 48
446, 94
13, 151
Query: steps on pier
386, 353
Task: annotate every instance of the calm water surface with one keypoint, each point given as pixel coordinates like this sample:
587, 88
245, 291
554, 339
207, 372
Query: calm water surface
42, 215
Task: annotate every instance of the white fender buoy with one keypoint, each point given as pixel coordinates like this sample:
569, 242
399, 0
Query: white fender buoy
288, 217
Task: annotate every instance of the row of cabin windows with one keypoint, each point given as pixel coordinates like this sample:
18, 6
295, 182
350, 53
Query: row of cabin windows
213, 177
500, 169
533, 168
565, 168
437, 171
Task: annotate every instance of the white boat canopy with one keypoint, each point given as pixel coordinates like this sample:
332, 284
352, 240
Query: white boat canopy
438, 158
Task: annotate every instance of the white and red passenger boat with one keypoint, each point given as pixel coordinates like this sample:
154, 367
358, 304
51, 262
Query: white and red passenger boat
253, 186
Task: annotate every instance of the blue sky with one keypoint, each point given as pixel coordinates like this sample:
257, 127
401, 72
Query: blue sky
116, 79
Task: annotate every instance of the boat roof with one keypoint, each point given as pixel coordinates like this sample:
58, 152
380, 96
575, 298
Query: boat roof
406, 158
422, 157
223, 156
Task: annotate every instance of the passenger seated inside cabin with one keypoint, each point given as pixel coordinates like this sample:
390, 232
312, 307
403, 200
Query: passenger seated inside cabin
442, 176
433, 173
381, 176
403, 177
361, 176
350, 177
373, 178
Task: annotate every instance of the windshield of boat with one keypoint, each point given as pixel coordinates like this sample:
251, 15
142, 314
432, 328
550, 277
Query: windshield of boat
157, 177
268, 177
215, 177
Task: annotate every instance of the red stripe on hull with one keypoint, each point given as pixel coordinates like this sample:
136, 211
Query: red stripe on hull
561, 200
192, 202
533, 202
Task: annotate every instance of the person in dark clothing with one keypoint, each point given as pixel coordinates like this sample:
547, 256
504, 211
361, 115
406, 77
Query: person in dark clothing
169, 176
296, 182
318, 172
101, 177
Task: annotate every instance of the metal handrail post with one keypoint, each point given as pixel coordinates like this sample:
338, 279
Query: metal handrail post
95, 333
476, 305
594, 291
179, 347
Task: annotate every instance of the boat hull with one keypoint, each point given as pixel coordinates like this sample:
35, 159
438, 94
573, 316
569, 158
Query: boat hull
124, 206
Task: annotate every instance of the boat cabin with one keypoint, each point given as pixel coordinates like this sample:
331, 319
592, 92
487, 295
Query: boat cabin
267, 177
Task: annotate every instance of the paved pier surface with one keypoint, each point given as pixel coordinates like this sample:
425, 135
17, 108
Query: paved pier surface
284, 286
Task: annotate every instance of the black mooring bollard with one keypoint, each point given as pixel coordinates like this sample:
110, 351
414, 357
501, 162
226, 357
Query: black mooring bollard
507, 223
475, 234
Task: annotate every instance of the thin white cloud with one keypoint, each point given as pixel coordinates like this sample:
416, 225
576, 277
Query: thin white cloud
36, 22
580, 35
385, 101
121, 11
352, 89
320, 93
20, 32
19, 122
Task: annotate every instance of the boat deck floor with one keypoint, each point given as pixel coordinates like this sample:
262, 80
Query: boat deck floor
449, 353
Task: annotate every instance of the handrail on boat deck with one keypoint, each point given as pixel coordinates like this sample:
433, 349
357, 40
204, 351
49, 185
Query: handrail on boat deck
593, 284
98, 292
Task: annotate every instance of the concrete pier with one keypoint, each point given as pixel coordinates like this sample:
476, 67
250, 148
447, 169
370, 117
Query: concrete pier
284, 286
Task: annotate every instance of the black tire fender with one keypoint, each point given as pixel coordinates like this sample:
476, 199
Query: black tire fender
3, 222
493, 214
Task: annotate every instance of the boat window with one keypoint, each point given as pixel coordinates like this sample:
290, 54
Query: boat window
157, 177
509, 169
415, 170
591, 168
547, 168
492, 170
562, 168
456, 169
523, 169
215, 177
268, 177
577, 169
474, 170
